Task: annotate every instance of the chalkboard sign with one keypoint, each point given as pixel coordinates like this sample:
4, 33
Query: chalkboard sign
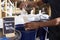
8, 24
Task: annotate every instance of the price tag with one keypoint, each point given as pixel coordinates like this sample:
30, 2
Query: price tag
9, 26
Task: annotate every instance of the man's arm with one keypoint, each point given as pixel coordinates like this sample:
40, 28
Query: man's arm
35, 25
50, 23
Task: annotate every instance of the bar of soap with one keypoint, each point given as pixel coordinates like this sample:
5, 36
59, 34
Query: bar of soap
10, 35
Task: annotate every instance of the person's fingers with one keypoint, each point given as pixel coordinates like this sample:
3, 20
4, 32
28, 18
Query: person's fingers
27, 29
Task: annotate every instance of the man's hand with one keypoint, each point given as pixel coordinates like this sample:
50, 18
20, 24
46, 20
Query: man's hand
32, 25
58, 21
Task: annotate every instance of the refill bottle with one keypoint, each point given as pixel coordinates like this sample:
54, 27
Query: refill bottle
43, 10
32, 11
23, 12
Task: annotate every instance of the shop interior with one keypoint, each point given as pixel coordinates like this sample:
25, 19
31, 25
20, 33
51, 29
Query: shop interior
15, 13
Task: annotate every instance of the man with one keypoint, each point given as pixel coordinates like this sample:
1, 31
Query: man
53, 24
